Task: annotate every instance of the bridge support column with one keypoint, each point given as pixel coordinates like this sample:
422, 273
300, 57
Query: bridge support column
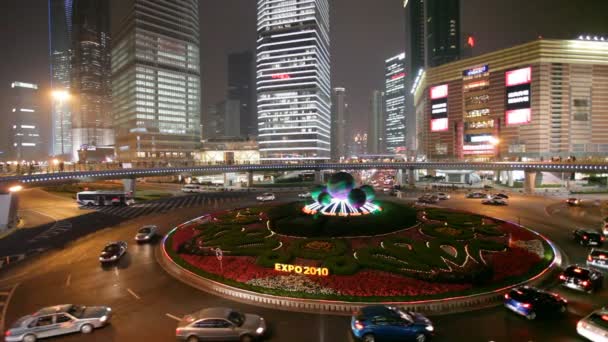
530, 182
249, 179
510, 181
129, 185
318, 177
498, 176
8, 211
411, 178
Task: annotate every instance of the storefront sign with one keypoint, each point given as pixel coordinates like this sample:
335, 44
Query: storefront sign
476, 70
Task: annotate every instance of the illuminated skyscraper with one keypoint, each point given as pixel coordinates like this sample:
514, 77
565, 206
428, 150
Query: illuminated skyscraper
340, 132
293, 80
442, 31
156, 80
25, 121
376, 134
394, 103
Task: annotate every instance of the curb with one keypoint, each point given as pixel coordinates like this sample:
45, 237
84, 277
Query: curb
430, 307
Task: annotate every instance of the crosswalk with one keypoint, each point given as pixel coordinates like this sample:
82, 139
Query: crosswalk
57, 228
165, 205
5, 295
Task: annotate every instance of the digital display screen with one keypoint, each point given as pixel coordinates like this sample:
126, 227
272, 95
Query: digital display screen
476, 70
519, 116
439, 125
439, 92
519, 95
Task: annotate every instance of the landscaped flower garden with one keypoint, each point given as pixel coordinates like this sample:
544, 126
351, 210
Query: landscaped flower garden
399, 254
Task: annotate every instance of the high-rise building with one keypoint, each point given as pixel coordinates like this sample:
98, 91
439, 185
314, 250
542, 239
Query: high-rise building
293, 80
339, 124
90, 81
25, 122
223, 120
376, 135
60, 28
442, 31
156, 81
394, 103
241, 88
359, 144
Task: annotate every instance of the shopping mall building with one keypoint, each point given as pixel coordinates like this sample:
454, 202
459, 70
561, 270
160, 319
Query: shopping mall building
542, 99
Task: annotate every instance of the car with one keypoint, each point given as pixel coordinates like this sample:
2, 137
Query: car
190, 188
494, 201
477, 195
598, 258
588, 237
146, 233
386, 189
220, 324
113, 251
266, 197
573, 202
305, 195
531, 302
429, 199
500, 195
378, 323
594, 326
442, 196
581, 278
58, 320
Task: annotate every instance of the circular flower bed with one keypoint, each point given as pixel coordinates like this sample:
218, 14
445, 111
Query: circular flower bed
445, 253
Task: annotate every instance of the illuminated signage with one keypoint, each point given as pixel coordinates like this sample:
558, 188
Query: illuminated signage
281, 76
477, 138
439, 92
400, 75
438, 125
307, 270
478, 147
518, 102
439, 108
476, 70
518, 116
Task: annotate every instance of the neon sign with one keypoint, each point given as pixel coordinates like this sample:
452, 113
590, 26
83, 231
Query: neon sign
401, 75
306, 270
439, 92
476, 70
518, 116
438, 125
519, 76
280, 76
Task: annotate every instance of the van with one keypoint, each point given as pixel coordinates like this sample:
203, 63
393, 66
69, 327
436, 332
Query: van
192, 188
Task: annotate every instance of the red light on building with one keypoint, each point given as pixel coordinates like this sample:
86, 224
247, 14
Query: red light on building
438, 125
281, 76
471, 41
401, 75
519, 76
439, 92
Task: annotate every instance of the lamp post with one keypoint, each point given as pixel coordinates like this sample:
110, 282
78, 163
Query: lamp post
60, 96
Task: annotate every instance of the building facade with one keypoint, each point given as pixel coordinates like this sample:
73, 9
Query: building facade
442, 31
416, 52
60, 28
223, 120
156, 81
90, 75
394, 103
339, 124
241, 88
542, 99
25, 121
228, 151
293, 80
376, 134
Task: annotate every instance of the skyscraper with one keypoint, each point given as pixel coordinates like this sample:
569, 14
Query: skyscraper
376, 135
394, 103
25, 121
339, 124
241, 88
415, 50
442, 31
60, 34
293, 80
156, 81
90, 75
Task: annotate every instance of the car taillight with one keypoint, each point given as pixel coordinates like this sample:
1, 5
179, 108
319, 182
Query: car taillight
359, 325
585, 237
589, 258
7, 333
178, 331
526, 305
602, 238
507, 296
562, 277
585, 283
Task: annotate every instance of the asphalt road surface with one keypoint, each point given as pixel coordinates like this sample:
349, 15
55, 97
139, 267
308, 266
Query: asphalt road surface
146, 301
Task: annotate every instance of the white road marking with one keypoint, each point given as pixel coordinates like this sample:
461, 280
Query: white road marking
133, 294
116, 271
173, 317
68, 281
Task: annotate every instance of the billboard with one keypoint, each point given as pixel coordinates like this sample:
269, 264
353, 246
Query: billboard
482, 69
518, 99
439, 108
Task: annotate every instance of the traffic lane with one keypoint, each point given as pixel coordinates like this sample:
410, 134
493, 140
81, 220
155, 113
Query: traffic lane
587, 215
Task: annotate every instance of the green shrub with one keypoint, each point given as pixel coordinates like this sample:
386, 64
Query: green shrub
304, 248
341, 265
489, 230
269, 258
447, 232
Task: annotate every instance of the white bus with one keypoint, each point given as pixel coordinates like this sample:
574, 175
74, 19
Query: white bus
103, 198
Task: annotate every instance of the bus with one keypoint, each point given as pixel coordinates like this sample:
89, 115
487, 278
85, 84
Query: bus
104, 198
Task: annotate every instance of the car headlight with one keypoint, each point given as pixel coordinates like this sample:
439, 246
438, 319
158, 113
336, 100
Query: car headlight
103, 319
114, 257
429, 328
259, 330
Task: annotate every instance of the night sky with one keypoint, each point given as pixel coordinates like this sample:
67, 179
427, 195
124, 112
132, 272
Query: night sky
364, 33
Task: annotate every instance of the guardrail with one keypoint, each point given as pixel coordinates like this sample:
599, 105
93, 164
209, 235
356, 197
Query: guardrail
431, 307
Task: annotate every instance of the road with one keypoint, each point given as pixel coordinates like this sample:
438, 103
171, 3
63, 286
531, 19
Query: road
146, 301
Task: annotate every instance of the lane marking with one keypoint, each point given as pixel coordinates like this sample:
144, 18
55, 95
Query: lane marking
5, 306
5, 293
116, 270
133, 294
69, 280
173, 317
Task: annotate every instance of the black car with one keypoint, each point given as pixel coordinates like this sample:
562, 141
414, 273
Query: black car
494, 201
573, 201
501, 195
581, 278
429, 199
588, 237
477, 195
113, 251
531, 302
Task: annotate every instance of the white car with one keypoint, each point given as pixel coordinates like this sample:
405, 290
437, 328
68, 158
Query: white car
442, 196
266, 197
146, 233
594, 327
191, 188
305, 195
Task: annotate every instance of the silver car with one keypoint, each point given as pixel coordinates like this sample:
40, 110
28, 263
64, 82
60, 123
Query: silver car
146, 233
221, 324
595, 326
58, 320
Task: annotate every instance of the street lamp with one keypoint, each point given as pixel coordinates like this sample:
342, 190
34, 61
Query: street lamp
60, 96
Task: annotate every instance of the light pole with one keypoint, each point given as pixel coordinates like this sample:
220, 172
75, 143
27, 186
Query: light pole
60, 96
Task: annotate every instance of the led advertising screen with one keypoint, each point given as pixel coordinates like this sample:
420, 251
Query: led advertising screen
439, 108
518, 107
476, 70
